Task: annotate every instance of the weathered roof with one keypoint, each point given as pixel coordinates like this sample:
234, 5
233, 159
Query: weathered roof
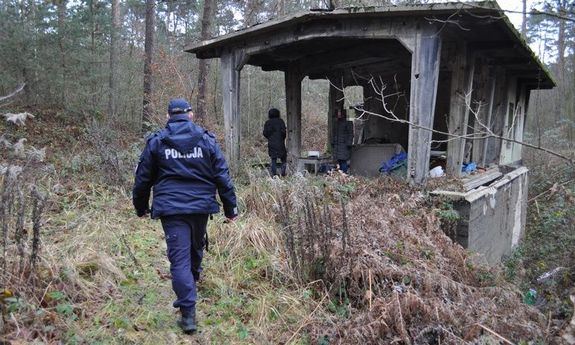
482, 23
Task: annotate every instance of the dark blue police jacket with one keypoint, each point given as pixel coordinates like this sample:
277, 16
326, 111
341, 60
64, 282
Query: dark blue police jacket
185, 166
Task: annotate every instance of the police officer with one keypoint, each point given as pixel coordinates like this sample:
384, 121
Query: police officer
185, 166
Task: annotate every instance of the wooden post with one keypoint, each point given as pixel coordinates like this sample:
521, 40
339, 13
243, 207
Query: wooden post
424, 77
293, 78
335, 101
461, 87
230, 69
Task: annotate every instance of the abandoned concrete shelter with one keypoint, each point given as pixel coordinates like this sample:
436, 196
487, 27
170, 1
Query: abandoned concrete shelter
460, 69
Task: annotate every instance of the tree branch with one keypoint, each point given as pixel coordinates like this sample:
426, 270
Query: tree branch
533, 12
481, 135
14, 93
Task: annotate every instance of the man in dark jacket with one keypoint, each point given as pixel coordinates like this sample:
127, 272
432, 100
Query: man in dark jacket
342, 140
185, 166
275, 132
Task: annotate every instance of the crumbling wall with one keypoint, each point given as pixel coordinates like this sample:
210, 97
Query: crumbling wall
493, 218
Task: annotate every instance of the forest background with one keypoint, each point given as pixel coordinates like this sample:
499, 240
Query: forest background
89, 58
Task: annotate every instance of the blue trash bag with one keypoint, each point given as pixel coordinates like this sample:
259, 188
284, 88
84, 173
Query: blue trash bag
396, 161
469, 167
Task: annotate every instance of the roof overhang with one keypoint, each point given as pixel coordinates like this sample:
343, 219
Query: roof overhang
482, 25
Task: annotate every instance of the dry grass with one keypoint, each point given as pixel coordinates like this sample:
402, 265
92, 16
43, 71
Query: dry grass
367, 262
393, 275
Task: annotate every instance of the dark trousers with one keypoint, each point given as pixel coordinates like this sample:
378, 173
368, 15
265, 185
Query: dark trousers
282, 166
343, 166
185, 237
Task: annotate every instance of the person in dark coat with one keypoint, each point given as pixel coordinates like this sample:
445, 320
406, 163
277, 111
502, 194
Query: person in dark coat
185, 167
275, 132
342, 140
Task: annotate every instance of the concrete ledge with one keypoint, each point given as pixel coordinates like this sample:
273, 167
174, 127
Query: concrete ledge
492, 218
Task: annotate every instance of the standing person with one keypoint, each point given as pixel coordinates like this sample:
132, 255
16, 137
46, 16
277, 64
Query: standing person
185, 166
342, 140
275, 132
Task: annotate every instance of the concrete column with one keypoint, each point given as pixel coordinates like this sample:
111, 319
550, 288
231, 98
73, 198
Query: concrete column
486, 98
424, 76
461, 87
230, 70
293, 78
335, 101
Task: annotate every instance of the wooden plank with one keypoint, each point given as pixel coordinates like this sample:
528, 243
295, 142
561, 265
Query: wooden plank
424, 77
473, 182
461, 87
293, 78
230, 69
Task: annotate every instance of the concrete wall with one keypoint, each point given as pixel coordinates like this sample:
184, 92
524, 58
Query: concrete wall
493, 217
366, 159
379, 130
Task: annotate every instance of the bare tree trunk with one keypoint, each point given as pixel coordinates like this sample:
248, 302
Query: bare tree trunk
61, 17
572, 127
148, 51
560, 62
29, 75
280, 7
561, 40
93, 31
207, 15
250, 18
524, 22
251, 11
113, 91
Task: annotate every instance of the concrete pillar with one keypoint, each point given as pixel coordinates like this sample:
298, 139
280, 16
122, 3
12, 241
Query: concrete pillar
424, 76
335, 101
461, 87
293, 78
230, 69
485, 98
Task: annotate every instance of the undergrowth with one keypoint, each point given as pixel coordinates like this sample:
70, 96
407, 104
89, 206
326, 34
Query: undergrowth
316, 260
545, 261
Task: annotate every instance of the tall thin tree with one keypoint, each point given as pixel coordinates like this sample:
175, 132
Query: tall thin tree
148, 52
116, 27
524, 22
203, 67
61, 6
560, 68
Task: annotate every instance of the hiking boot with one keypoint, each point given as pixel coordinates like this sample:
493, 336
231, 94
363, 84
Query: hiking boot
188, 320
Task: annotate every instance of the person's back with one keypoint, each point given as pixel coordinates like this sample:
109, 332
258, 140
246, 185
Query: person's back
342, 140
184, 166
187, 178
275, 133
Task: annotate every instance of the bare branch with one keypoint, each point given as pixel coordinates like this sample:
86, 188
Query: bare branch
481, 135
14, 93
532, 13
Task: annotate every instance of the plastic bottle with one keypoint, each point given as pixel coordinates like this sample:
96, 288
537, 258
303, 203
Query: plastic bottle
530, 297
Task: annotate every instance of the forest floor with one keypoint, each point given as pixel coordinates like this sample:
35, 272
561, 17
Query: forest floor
306, 263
